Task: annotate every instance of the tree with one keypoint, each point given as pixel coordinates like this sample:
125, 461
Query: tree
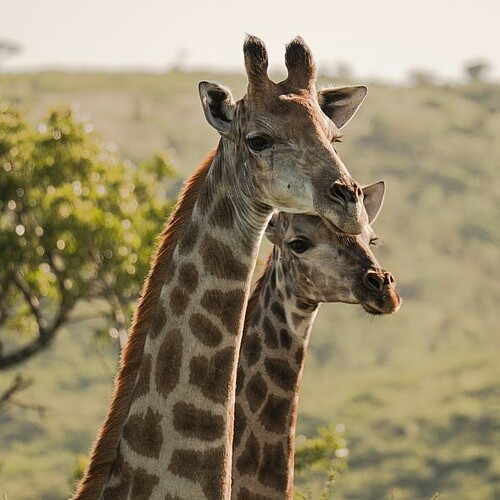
76, 223
8, 49
477, 70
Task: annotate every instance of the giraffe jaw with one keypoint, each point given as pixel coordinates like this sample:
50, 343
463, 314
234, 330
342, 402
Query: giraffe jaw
376, 311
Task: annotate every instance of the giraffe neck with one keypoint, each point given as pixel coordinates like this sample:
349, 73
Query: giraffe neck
270, 368
174, 440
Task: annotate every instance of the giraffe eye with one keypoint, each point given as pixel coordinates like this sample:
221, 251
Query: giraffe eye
374, 241
299, 245
259, 142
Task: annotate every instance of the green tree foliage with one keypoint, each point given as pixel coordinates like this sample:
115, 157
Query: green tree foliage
76, 223
326, 455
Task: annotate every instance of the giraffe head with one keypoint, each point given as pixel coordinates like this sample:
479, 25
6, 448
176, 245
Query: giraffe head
319, 265
282, 134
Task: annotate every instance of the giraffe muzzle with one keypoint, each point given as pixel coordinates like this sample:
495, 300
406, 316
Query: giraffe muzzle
381, 287
344, 194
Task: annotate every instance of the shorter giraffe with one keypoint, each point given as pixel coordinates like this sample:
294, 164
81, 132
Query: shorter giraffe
309, 264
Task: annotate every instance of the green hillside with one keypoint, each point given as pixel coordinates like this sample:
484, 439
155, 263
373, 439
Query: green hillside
418, 393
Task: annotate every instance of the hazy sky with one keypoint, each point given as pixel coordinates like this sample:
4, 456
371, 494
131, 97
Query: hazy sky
384, 38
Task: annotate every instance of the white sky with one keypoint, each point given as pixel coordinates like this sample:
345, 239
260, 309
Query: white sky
382, 38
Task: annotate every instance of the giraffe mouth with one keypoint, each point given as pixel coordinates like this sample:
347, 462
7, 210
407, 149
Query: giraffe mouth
378, 311
332, 226
347, 230
370, 309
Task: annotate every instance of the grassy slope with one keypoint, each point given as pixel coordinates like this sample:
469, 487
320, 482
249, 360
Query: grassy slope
417, 392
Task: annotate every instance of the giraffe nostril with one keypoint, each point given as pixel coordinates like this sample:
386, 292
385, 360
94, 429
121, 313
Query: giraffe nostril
389, 279
340, 193
374, 281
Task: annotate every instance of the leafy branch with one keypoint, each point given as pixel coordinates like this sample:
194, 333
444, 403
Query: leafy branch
76, 223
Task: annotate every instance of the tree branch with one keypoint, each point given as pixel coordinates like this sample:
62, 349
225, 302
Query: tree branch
31, 299
45, 334
8, 396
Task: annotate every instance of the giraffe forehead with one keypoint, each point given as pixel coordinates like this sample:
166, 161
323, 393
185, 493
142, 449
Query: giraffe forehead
297, 111
309, 226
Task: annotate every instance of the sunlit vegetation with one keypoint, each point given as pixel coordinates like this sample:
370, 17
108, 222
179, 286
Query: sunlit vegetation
76, 223
416, 395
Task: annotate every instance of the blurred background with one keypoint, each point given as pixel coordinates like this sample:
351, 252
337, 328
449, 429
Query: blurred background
100, 123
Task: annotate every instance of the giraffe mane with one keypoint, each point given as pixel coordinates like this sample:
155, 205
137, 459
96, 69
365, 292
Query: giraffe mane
105, 449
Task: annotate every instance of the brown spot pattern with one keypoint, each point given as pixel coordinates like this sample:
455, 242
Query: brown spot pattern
188, 276
143, 484
273, 415
281, 373
256, 392
257, 314
120, 490
143, 381
240, 379
223, 214
212, 375
179, 300
134, 483
225, 305
196, 423
204, 201
267, 296
271, 338
248, 461
278, 312
271, 473
122, 470
299, 355
159, 322
188, 239
143, 433
285, 339
252, 347
220, 261
202, 468
245, 494
240, 423
168, 362
169, 273
205, 330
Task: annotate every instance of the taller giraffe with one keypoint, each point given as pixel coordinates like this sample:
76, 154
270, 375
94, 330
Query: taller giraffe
168, 433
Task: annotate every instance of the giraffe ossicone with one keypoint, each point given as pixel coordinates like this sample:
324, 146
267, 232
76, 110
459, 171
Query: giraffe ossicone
309, 265
168, 432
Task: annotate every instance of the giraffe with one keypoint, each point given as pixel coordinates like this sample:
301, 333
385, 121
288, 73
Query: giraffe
168, 432
309, 264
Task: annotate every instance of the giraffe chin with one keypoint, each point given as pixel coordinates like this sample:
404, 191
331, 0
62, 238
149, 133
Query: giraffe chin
335, 229
377, 311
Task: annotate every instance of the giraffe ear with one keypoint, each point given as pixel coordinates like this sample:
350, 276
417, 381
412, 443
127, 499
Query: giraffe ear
341, 103
272, 228
373, 199
218, 105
